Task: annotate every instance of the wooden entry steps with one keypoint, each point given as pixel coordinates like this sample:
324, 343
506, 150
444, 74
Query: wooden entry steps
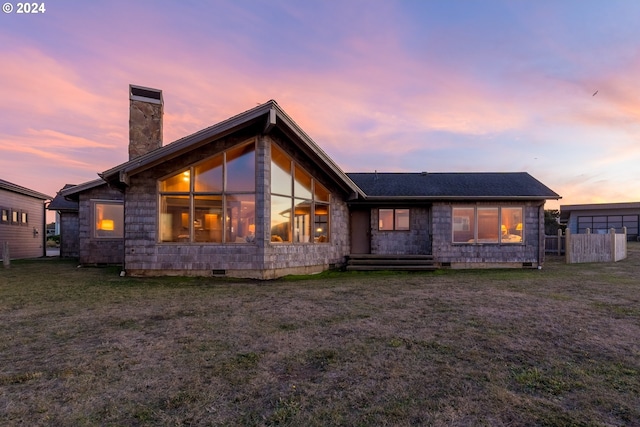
370, 262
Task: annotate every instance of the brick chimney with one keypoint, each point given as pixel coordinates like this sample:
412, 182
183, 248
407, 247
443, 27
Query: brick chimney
145, 120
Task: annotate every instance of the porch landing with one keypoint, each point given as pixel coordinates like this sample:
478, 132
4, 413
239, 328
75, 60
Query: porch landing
369, 262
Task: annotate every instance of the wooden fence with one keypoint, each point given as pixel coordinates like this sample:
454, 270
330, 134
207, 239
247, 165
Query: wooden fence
589, 247
554, 244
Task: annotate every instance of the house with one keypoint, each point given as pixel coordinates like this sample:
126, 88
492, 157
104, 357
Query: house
599, 218
22, 221
254, 196
76, 205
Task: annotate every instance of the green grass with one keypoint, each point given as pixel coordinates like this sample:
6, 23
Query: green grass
556, 347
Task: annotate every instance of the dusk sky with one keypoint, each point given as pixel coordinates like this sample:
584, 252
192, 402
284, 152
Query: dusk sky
411, 85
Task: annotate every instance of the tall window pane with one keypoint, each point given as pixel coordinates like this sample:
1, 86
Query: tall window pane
463, 225
320, 193
241, 169
385, 219
302, 221
302, 184
512, 226
488, 225
280, 172
209, 175
174, 219
208, 218
401, 219
240, 218
321, 223
280, 219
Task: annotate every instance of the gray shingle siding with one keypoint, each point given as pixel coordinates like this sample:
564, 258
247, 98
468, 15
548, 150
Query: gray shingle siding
92, 250
264, 260
480, 255
415, 241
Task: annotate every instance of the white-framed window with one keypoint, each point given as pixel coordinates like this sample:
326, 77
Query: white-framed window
487, 224
108, 219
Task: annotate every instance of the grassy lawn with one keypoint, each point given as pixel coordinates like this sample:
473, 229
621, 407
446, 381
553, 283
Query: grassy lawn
558, 347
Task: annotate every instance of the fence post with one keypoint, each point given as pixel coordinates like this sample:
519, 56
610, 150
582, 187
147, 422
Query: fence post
559, 241
6, 258
612, 242
567, 246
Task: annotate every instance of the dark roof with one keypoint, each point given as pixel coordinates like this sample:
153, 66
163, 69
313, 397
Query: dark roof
267, 116
471, 185
60, 203
565, 210
70, 191
6, 185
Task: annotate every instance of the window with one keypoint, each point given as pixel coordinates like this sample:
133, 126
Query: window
464, 225
24, 218
487, 224
393, 219
212, 201
602, 223
4, 215
300, 205
108, 219
15, 217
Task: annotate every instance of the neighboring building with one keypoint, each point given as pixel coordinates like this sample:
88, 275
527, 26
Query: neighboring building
601, 217
22, 221
254, 196
78, 238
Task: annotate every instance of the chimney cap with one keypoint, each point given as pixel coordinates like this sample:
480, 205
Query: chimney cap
145, 94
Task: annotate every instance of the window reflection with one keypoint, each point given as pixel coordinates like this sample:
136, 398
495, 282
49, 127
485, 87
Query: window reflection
240, 219
464, 225
280, 219
302, 184
207, 222
209, 175
321, 223
512, 225
302, 221
217, 209
488, 225
181, 182
241, 169
297, 216
174, 219
280, 172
